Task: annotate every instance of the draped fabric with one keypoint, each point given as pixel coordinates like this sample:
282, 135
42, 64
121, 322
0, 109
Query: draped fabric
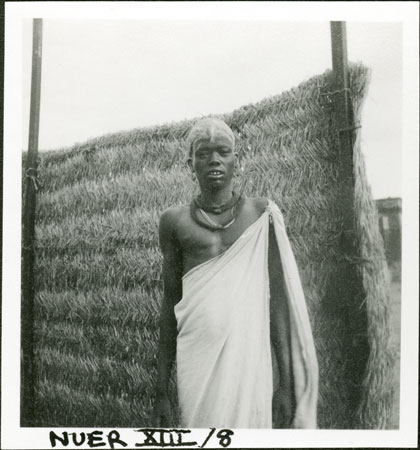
224, 365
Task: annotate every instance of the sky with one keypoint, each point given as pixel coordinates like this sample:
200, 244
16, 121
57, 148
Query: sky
104, 76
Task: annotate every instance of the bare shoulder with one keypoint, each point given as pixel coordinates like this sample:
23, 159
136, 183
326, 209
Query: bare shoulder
171, 217
258, 204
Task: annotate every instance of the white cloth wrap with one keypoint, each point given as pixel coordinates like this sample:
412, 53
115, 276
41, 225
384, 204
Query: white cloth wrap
224, 367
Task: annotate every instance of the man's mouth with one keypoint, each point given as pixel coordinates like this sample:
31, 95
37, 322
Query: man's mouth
215, 173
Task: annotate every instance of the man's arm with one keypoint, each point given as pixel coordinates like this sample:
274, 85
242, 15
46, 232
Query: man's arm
284, 398
172, 283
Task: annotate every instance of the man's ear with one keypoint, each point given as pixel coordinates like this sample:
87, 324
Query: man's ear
236, 154
190, 164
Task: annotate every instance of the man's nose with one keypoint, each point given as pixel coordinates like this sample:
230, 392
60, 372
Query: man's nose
214, 158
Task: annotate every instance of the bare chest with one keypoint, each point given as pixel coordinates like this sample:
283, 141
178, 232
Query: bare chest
199, 244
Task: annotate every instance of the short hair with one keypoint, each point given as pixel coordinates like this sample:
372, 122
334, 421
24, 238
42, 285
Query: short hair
207, 129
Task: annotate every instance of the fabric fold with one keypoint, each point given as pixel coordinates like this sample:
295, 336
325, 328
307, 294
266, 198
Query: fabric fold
304, 360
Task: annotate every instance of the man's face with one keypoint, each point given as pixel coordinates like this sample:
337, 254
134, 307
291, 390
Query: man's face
213, 162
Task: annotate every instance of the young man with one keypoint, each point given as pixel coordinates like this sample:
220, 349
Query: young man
233, 313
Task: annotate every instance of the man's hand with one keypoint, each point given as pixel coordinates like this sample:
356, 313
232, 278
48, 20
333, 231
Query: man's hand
283, 409
162, 413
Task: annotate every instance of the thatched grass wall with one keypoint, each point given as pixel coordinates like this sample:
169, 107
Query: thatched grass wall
98, 264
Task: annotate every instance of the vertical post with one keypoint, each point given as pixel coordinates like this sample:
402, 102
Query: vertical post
344, 114
340, 64
351, 290
28, 251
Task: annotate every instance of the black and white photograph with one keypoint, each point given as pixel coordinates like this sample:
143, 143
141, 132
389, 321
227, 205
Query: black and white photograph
210, 225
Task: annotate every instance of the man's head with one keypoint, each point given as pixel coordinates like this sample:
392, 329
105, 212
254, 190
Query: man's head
211, 130
210, 144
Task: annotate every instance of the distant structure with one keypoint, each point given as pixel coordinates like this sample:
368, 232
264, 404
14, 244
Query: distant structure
389, 210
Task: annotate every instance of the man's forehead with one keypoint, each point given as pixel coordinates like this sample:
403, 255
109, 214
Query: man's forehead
215, 141
210, 130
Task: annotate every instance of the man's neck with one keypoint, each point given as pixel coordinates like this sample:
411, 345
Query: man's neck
216, 197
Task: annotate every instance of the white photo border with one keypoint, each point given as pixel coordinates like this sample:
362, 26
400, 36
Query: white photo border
15, 437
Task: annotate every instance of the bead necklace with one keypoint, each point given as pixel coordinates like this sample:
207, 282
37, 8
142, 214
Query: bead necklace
217, 225
217, 209
209, 223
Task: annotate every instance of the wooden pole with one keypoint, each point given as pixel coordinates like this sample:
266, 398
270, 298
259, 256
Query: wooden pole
351, 291
28, 251
344, 114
